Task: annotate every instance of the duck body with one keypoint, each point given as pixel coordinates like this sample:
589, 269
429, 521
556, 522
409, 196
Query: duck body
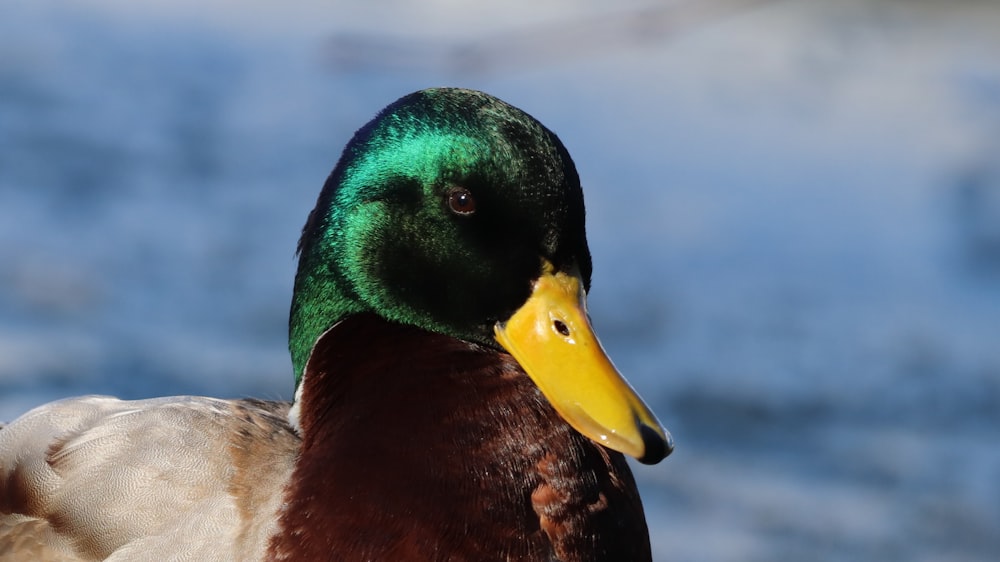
451, 463
451, 401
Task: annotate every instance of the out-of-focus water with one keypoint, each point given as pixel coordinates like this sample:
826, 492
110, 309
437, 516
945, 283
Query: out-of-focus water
794, 212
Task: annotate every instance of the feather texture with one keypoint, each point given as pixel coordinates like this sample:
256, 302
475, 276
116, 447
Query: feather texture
181, 478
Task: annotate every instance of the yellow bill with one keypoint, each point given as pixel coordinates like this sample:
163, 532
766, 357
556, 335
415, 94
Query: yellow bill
551, 337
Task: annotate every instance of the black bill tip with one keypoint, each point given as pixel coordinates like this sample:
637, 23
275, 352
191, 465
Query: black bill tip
657, 446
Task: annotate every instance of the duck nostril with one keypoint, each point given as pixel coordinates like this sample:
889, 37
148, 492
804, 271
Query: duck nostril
561, 327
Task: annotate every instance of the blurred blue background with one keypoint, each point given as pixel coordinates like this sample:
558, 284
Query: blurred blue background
794, 211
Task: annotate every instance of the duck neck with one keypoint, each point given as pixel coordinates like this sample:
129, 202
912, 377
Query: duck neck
322, 297
444, 449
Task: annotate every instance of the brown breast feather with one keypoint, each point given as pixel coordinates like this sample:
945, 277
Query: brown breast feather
443, 450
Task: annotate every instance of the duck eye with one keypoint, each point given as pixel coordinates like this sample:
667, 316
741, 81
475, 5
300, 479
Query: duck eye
461, 201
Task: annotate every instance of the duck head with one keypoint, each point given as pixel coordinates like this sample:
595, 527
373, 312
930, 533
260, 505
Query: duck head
457, 213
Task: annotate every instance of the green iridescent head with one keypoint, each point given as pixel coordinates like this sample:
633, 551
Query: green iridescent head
439, 214
456, 213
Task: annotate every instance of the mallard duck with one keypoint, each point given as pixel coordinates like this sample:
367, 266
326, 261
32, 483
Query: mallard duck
452, 401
